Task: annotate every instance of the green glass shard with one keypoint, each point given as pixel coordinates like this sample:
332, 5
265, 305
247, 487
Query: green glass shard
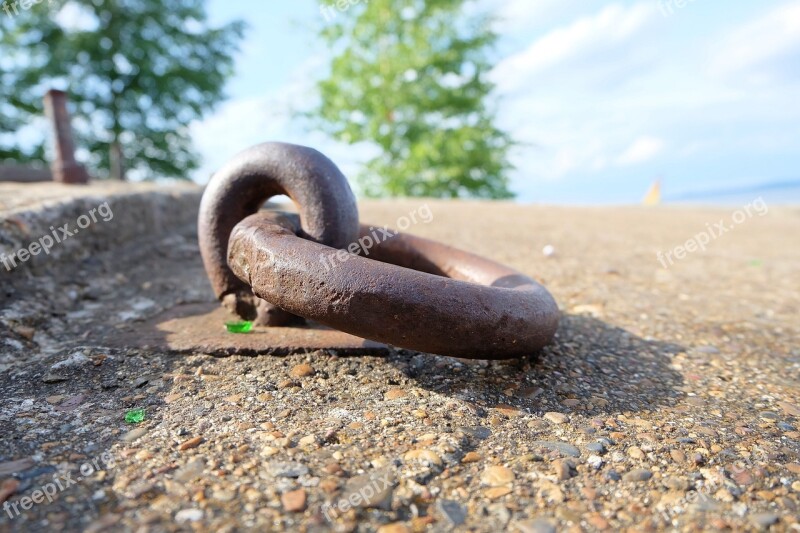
239, 327
134, 416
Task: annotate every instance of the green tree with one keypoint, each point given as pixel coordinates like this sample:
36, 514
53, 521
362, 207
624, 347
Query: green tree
411, 77
12, 108
137, 72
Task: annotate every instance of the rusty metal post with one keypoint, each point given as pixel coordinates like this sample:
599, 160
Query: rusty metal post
65, 168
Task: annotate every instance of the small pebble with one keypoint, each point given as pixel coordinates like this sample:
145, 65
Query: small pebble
677, 483
302, 371
397, 527
288, 469
636, 453
191, 443
188, 515
471, 457
764, 520
556, 418
564, 469
394, 394
25, 331
294, 501
190, 471
497, 476
536, 525
494, 493
790, 409
595, 461
677, 456
7, 488
453, 512
308, 440
134, 434
638, 474
596, 447
597, 521
375, 488
428, 456
562, 447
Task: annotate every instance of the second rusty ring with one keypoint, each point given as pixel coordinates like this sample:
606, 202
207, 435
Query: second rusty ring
410, 292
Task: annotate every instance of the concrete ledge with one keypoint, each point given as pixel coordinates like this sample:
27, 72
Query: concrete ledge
83, 220
24, 174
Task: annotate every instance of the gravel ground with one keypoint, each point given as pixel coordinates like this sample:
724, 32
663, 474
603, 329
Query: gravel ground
669, 400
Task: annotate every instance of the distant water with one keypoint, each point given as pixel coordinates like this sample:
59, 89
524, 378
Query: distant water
776, 193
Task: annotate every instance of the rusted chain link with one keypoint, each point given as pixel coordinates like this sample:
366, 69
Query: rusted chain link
411, 292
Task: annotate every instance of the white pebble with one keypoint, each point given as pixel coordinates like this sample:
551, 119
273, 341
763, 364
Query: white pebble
549, 250
188, 515
595, 461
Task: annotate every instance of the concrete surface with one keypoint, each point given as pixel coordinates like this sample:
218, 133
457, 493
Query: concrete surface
24, 174
669, 400
106, 215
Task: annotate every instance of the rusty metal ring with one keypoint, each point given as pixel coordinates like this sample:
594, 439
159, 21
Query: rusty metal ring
321, 192
409, 292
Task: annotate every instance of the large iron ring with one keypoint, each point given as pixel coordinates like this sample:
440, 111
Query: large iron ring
409, 292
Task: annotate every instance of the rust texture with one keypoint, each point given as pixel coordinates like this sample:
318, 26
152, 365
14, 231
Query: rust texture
64, 167
323, 197
410, 292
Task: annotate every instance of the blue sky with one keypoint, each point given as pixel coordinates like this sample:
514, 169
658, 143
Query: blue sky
605, 96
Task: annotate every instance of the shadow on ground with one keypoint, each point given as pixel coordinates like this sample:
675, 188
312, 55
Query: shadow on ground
605, 369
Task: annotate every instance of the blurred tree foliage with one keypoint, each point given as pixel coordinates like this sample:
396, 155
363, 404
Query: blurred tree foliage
411, 77
137, 73
12, 108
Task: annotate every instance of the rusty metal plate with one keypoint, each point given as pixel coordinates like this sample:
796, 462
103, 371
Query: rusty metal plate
200, 328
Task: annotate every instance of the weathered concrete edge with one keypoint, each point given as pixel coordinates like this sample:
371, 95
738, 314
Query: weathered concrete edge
136, 215
24, 174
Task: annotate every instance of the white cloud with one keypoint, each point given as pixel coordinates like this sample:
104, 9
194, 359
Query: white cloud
234, 127
643, 149
244, 122
759, 51
587, 36
241, 123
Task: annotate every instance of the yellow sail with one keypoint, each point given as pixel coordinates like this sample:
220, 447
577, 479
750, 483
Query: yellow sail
653, 196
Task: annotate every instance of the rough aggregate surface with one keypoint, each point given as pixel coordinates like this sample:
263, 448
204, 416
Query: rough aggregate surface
669, 400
